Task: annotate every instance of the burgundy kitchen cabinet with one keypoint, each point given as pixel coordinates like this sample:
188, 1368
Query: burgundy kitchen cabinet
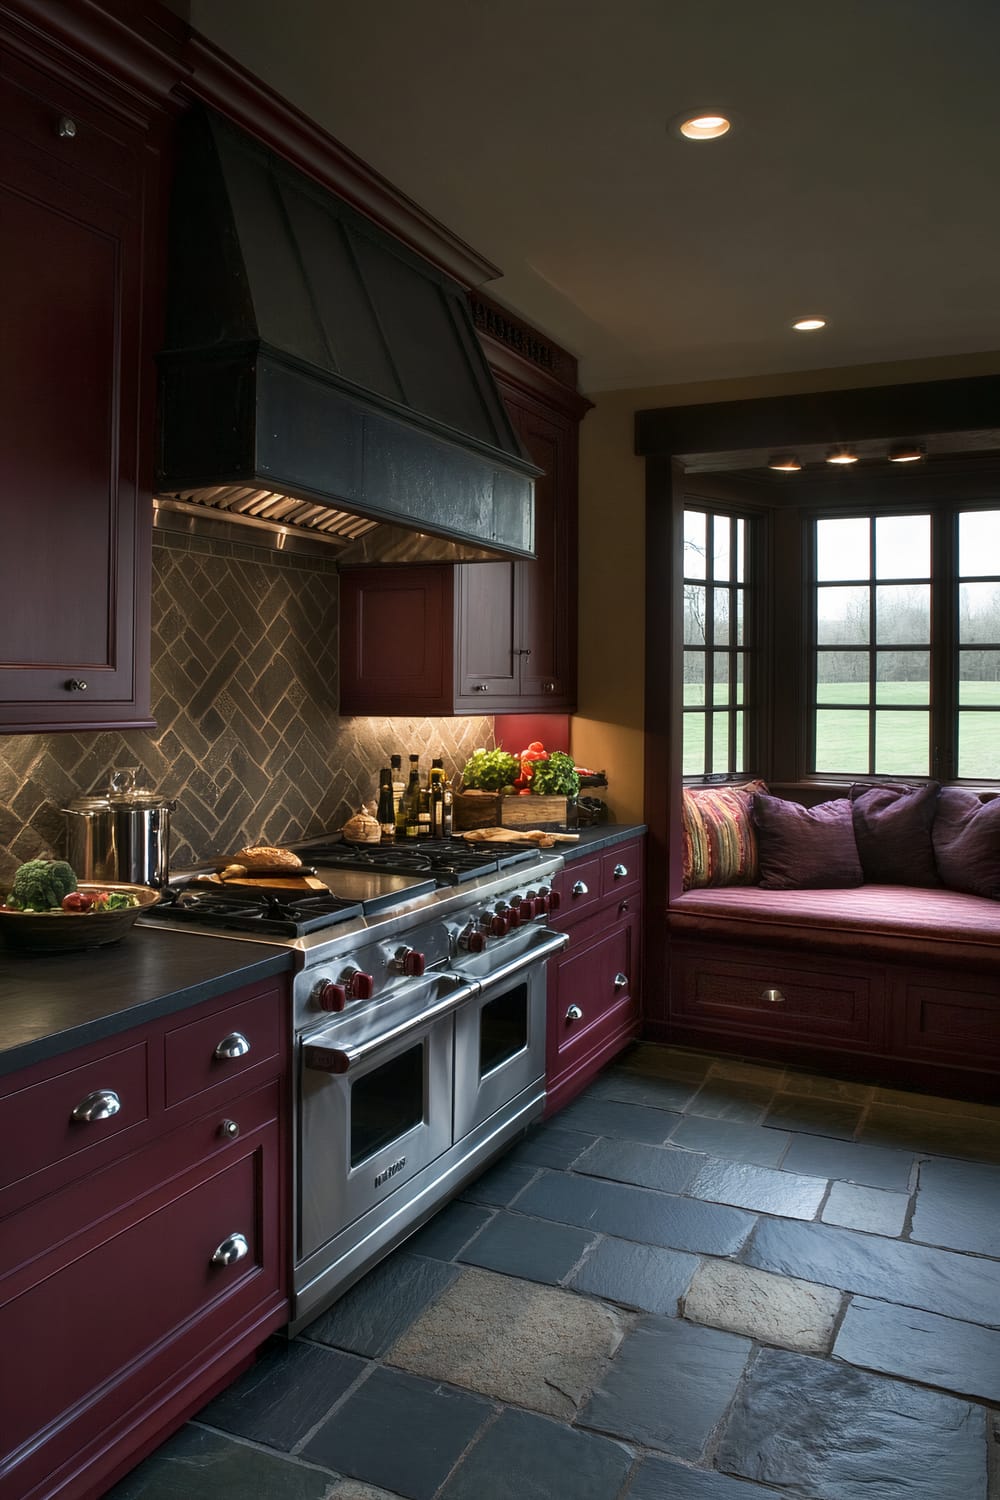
144, 1249
475, 637
594, 987
79, 211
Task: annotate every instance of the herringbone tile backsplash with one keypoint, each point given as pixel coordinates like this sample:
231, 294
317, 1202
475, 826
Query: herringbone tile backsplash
248, 738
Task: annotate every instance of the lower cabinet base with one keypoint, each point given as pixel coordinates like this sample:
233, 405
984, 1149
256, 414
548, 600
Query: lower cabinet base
573, 1079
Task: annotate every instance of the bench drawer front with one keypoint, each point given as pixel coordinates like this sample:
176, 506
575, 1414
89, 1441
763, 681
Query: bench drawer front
773, 997
953, 1018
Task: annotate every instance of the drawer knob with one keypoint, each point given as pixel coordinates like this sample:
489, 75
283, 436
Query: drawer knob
773, 997
74, 685
480, 687
623, 907
581, 888
230, 1129
66, 128
620, 871
233, 1248
233, 1045
621, 981
100, 1105
574, 1013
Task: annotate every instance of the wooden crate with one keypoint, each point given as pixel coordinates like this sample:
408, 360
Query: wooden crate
538, 812
476, 810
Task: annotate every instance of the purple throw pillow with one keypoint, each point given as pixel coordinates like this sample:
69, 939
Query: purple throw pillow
892, 825
808, 847
966, 836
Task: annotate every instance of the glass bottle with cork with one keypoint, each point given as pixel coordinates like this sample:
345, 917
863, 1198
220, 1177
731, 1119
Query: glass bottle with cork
398, 795
386, 810
411, 800
436, 792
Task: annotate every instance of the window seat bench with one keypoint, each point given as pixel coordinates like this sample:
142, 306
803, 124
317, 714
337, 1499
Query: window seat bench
896, 984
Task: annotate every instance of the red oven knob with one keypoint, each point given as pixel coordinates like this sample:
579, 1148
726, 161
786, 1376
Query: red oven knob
329, 996
359, 986
410, 962
474, 941
555, 900
540, 905
513, 915
499, 925
516, 900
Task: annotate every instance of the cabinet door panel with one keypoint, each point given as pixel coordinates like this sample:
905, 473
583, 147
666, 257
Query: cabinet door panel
543, 626
947, 1017
488, 664
395, 640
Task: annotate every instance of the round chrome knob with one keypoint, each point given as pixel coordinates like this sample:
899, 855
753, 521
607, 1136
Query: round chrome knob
623, 907
580, 888
330, 996
230, 1129
233, 1248
66, 128
548, 687
574, 1013
480, 687
99, 1105
620, 871
232, 1046
75, 685
621, 981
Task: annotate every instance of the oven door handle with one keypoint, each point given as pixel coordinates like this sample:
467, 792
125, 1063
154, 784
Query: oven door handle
320, 1055
554, 942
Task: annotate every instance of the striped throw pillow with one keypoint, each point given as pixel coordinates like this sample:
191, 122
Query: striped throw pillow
720, 843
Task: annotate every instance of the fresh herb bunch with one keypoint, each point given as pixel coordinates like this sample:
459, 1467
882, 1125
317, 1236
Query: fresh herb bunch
490, 770
555, 776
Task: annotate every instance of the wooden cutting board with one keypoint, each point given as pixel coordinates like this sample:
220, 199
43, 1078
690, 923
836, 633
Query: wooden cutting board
540, 837
278, 881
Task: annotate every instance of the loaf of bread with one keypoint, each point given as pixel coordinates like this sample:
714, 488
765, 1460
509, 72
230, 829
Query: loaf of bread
266, 857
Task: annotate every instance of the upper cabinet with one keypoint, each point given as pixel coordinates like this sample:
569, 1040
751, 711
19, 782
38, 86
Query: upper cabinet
482, 638
78, 185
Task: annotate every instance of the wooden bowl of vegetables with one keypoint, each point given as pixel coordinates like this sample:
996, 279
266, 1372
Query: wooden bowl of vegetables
88, 914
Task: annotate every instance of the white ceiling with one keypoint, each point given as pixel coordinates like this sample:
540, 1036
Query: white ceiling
861, 180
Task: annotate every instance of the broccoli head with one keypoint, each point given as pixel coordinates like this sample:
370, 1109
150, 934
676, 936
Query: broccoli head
41, 884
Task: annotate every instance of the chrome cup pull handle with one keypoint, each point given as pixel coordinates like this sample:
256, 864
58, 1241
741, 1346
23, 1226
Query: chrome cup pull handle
574, 1013
773, 997
621, 981
233, 1248
620, 871
580, 888
99, 1105
233, 1045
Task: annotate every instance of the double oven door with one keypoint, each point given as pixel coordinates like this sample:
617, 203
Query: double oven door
382, 1101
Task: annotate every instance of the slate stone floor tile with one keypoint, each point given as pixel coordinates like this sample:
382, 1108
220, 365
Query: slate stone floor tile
642, 1088
873, 1166
627, 1122
196, 1464
284, 1394
449, 1231
382, 1305
523, 1455
817, 1087
763, 1189
551, 1146
732, 1099
931, 1133
746, 1072
430, 1426
966, 1287
532, 1248
641, 1276
731, 1139
958, 1205
664, 1168
922, 1346
500, 1185
664, 1479
816, 1429
773, 1309
968, 1108
809, 1116
666, 1062
669, 1386
352, 1489
872, 1209
633, 1213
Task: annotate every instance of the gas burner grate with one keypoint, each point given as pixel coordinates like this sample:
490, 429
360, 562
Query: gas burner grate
449, 861
275, 912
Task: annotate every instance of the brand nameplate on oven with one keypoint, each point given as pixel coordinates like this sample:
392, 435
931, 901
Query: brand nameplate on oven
390, 1171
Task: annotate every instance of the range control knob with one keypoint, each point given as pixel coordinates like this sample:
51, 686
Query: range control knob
359, 986
410, 962
329, 996
555, 900
513, 915
499, 925
516, 899
473, 940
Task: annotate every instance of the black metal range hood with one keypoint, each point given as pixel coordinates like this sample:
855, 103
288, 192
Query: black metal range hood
321, 380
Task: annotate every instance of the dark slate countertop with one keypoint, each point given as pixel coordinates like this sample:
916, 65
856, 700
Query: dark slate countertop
53, 1003
600, 836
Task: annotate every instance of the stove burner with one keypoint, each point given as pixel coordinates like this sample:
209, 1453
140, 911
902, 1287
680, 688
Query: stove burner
280, 913
450, 861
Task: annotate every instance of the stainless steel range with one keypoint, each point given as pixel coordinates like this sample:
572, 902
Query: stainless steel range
419, 1015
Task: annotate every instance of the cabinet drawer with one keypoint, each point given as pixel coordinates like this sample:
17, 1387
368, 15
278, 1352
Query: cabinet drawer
68, 1115
621, 869
221, 1048
594, 993
579, 887
112, 1302
774, 998
948, 1018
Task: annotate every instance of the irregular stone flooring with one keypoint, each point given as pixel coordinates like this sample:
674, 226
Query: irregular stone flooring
704, 1280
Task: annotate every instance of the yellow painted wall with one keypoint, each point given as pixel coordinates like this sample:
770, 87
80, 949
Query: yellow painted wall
608, 729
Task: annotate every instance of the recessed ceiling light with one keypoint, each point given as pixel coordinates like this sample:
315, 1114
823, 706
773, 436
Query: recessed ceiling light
788, 463
704, 126
808, 325
841, 456
905, 453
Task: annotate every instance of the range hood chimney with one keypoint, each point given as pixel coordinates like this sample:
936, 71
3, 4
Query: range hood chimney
322, 379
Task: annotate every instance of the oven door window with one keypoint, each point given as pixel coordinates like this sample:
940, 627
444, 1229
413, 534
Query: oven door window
503, 1029
387, 1103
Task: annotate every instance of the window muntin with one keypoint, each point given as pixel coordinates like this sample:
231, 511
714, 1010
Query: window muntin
978, 643
715, 643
